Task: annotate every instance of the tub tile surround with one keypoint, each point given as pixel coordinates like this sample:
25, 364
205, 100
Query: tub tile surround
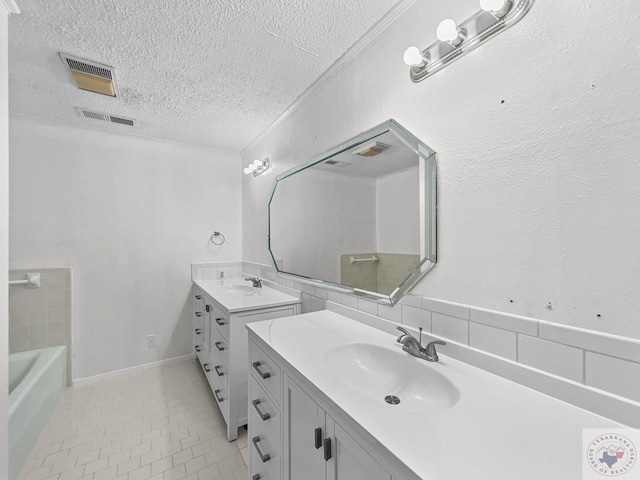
571, 363
41, 317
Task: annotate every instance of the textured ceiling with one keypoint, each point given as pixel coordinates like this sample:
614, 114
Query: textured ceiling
209, 73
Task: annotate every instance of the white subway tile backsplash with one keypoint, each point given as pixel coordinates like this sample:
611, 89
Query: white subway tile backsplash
310, 289
515, 323
613, 375
334, 297
551, 357
493, 340
322, 293
616, 346
390, 313
453, 328
350, 301
416, 317
412, 300
446, 308
367, 306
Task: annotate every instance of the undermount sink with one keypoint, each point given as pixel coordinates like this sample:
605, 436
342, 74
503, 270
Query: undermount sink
237, 289
395, 377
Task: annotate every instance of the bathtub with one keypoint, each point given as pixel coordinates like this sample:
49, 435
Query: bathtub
37, 379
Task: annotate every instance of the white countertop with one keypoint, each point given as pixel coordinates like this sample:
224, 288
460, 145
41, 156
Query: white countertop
234, 302
497, 430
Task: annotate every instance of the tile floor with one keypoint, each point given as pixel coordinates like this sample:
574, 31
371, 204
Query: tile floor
159, 424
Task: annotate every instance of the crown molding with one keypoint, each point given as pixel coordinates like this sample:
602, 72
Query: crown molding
10, 5
362, 42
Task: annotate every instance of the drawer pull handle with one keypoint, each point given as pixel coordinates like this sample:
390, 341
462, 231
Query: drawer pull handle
198, 331
327, 449
207, 308
266, 457
256, 477
218, 397
318, 435
256, 367
206, 367
198, 348
220, 321
217, 369
263, 416
198, 297
198, 314
217, 344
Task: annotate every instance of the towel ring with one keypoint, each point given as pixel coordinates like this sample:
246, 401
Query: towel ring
219, 237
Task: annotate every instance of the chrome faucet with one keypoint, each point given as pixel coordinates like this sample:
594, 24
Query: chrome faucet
255, 280
413, 346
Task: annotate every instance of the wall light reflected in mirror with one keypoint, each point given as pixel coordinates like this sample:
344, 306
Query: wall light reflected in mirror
257, 167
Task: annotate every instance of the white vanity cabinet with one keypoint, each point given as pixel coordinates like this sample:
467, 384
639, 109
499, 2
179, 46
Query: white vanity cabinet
220, 340
292, 437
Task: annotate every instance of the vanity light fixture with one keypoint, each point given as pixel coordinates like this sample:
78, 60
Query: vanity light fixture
257, 167
455, 40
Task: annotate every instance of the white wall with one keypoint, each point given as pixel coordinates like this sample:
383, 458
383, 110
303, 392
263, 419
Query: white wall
538, 195
4, 246
398, 212
129, 215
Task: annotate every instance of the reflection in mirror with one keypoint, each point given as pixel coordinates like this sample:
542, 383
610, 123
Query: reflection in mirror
359, 218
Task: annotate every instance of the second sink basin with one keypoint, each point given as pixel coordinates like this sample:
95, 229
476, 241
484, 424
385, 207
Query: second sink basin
383, 373
236, 289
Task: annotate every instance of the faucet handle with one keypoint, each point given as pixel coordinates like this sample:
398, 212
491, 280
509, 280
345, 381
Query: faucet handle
405, 333
431, 353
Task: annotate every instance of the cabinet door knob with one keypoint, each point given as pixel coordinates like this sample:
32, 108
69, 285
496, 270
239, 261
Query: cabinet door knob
198, 331
217, 369
220, 321
217, 344
218, 397
198, 348
263, 416
256, 477
198, 314
318, 435
206, 367
264, 457
198, 297
207, 308
256, 367
327, 449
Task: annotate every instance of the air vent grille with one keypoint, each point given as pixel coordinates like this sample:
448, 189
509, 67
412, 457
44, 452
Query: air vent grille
88, 68
105, 117
91, 76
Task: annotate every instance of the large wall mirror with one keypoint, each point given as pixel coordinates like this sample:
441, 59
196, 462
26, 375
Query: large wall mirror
360, 218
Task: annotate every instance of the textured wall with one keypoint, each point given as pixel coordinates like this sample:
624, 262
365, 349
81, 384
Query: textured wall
4, 247
537, 134
129, 216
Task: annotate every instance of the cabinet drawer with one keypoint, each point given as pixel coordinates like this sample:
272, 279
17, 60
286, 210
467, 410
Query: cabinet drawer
199, 300
267, 372
258, 470
265, 453
220, 393
264, 409
219, 368
220, 346
221, 322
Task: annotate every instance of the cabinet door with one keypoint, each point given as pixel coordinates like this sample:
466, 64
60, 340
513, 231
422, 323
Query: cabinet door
349, 461
304, 419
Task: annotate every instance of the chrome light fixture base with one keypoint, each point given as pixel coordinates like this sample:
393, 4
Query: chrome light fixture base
478, 29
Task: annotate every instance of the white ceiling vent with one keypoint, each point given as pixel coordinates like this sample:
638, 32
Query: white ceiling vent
91, 76
105, 117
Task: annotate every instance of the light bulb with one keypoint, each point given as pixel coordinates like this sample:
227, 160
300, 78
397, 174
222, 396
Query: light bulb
251, 167
246, 170
257, 163
499, 8
413, 56
447, 31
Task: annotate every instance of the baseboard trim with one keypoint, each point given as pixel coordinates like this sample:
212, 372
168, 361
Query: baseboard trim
131, 370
